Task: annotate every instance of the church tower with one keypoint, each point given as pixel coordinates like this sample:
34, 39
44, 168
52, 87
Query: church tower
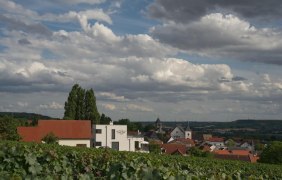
188, 132
158, 123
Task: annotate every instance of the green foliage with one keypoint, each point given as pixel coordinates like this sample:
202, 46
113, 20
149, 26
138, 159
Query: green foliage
149, 127
230, 143
154, 148
81, 104
91, 111
272, 153
8, 128
131, 126
259, 146
42, 161
71, 103
50, 138
194, 151
24, 115
105, 119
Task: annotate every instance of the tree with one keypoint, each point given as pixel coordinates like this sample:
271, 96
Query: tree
194, 151
154, 148
50, 138
91, 111
131, 126
230, 143
105, 119
272, 153
8, 128
71, 103
81, 104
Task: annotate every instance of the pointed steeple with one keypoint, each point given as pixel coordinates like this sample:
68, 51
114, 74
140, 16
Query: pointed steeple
188, 127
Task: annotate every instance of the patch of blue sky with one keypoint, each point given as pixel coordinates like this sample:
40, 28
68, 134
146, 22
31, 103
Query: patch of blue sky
130, 25
2, 30
231, 62
49, 55
130, 19
3, 48
67, 26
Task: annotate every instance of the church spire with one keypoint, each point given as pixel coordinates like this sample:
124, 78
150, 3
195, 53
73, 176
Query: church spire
188, 127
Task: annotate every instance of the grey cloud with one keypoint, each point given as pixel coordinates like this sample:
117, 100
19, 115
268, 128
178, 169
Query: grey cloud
24, 41
189, 10
217, 35
14, 24
238, 78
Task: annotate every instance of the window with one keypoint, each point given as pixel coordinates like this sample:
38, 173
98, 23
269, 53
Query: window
136, 144
98, 144
113, 133
98, 131
81, 145
115, 145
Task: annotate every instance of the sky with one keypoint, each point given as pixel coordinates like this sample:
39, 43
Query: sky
180, 60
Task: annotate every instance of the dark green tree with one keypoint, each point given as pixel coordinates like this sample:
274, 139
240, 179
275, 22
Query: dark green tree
91, 111
8, 128
154, 148
195, 151
80, 104
71, 103
272, 153
105, 119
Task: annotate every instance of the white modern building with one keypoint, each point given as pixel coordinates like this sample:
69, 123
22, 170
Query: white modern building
115, 137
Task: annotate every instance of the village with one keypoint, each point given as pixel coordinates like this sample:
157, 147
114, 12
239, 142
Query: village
178, 140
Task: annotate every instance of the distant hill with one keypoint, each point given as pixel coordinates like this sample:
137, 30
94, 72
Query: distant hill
25, 115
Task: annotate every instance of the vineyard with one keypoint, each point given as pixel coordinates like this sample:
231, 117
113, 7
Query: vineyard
20, 160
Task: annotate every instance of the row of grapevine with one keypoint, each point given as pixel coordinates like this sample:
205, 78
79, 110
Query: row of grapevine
20, 160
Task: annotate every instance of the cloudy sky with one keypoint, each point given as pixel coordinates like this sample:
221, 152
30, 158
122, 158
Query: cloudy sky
196, 60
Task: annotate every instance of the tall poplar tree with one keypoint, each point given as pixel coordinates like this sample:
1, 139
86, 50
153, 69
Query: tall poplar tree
81, 104
91, 111
71, 103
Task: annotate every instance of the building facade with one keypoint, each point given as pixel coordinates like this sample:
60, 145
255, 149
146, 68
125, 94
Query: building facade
115, 137
179, 132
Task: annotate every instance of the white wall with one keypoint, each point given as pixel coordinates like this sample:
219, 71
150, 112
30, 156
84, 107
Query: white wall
126, 143
72, 142
188, 134
106, 136
132, 140
177, 133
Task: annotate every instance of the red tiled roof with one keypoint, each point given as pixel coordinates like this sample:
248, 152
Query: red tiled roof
233, 152
216, 139
249, 158
173, 148
63, 129
183, 141
29, 134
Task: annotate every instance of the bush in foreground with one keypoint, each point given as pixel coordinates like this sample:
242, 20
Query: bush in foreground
31, 161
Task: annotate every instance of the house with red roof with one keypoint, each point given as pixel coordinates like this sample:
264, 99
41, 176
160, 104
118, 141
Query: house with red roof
184, 141
173, 149
68, 132
216, 141
241, 155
